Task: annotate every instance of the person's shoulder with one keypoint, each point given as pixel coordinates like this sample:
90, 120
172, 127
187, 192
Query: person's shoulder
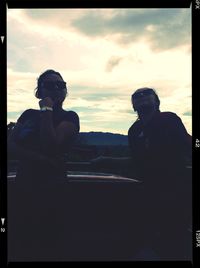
71, 116
171, 120
70, 112
27, 114
169, 116
134, 126
32, 111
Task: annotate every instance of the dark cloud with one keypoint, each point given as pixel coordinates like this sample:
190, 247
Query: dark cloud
14, 115
188, 113
41, 14
112, 62
93, 93
127, 111
86, 109
163, 28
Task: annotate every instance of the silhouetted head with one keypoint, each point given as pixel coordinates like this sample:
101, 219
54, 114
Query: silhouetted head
51, 84
144, 99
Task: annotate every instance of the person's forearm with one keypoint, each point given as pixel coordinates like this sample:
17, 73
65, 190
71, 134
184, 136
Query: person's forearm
48, 139
19, 152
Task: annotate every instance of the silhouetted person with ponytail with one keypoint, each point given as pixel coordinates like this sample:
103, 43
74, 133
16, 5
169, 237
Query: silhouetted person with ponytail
41, 137
37, 199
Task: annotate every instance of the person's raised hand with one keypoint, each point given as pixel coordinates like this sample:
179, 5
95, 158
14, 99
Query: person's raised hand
47, 101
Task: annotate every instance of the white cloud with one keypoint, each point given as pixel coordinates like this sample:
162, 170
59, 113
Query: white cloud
42, 39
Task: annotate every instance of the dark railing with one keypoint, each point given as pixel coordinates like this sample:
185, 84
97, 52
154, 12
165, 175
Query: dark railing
86, 166
73, 166
94, 221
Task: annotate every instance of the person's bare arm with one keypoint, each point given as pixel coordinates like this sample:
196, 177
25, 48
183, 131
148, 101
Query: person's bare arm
16, 150
52, 138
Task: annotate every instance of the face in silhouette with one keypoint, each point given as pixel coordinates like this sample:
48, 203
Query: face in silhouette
144, 100
53, 87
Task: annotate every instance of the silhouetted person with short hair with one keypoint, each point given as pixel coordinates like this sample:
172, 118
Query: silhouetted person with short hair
160, 148
159, 142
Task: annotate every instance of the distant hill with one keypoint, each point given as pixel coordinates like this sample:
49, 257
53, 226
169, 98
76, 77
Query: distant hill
102, 138
94, 138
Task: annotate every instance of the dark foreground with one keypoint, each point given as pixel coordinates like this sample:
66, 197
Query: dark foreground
93, 218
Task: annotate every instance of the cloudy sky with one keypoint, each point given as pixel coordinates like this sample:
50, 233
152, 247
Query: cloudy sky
104, 55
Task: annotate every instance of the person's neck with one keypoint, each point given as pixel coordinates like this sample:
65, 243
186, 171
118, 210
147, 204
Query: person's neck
145, 117
57, 107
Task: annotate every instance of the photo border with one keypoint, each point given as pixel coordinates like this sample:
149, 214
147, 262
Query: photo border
195, 8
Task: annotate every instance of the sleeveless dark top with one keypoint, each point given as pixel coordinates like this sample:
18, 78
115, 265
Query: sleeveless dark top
29, 138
